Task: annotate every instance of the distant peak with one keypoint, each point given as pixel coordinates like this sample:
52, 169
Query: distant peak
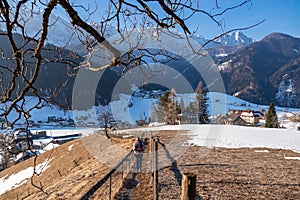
277, 35
238, 35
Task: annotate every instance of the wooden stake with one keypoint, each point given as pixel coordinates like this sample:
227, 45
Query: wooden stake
188, 186
155, 168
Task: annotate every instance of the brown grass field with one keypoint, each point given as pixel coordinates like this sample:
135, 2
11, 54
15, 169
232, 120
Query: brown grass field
244, 173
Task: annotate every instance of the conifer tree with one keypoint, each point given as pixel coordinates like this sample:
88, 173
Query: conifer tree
171, 112
182, 106
202, 106
162, 107
271, 117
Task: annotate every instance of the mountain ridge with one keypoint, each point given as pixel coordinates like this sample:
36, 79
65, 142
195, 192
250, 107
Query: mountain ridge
249, 71
255, 72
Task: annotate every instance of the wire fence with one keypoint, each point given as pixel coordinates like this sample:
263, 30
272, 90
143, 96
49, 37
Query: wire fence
110, 184
112, 181
132, 134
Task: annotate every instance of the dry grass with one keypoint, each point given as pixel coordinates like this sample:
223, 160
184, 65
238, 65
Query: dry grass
70, 175
243, 173
235, 174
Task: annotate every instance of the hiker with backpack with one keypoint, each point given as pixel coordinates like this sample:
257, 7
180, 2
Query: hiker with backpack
138, 150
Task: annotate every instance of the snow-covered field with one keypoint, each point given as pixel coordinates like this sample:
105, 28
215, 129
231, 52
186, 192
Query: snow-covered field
131, 108
230, 136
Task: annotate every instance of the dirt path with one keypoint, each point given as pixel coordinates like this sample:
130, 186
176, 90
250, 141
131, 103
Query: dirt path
134, 183
244, 173
139, 186
129, 184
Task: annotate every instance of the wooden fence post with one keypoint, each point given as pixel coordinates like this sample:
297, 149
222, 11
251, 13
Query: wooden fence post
129, 168
188, 191
155, 168
110, 185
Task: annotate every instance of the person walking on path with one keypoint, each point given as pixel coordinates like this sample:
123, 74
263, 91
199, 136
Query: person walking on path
138, 150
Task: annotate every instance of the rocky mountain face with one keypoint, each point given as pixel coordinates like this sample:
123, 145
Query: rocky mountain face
265, 71
226, 44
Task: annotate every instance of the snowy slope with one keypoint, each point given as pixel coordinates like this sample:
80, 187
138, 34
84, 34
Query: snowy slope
219, 103
131, 108
15, 180
224, 136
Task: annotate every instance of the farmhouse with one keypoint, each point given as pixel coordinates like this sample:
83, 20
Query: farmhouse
240, 117
229, 119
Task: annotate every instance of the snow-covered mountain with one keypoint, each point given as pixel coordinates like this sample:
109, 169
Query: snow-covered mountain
226, 44
232, 39
60, 31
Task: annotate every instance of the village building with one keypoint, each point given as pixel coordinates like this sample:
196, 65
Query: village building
240, 117
229, 119
251, 117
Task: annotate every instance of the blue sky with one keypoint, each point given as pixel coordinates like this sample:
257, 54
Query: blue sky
280, 15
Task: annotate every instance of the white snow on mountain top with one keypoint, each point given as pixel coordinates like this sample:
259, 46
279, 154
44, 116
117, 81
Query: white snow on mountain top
231, 39
235, 38
60, 32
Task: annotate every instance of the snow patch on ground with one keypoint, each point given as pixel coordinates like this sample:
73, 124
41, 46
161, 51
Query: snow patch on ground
222, 55
262, 151
50, 146
70, 147
291, 158
16, 180
229, 136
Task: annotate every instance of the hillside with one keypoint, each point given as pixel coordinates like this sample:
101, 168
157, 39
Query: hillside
68, 172
261, 72
56, 73
230, 161
265, 71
